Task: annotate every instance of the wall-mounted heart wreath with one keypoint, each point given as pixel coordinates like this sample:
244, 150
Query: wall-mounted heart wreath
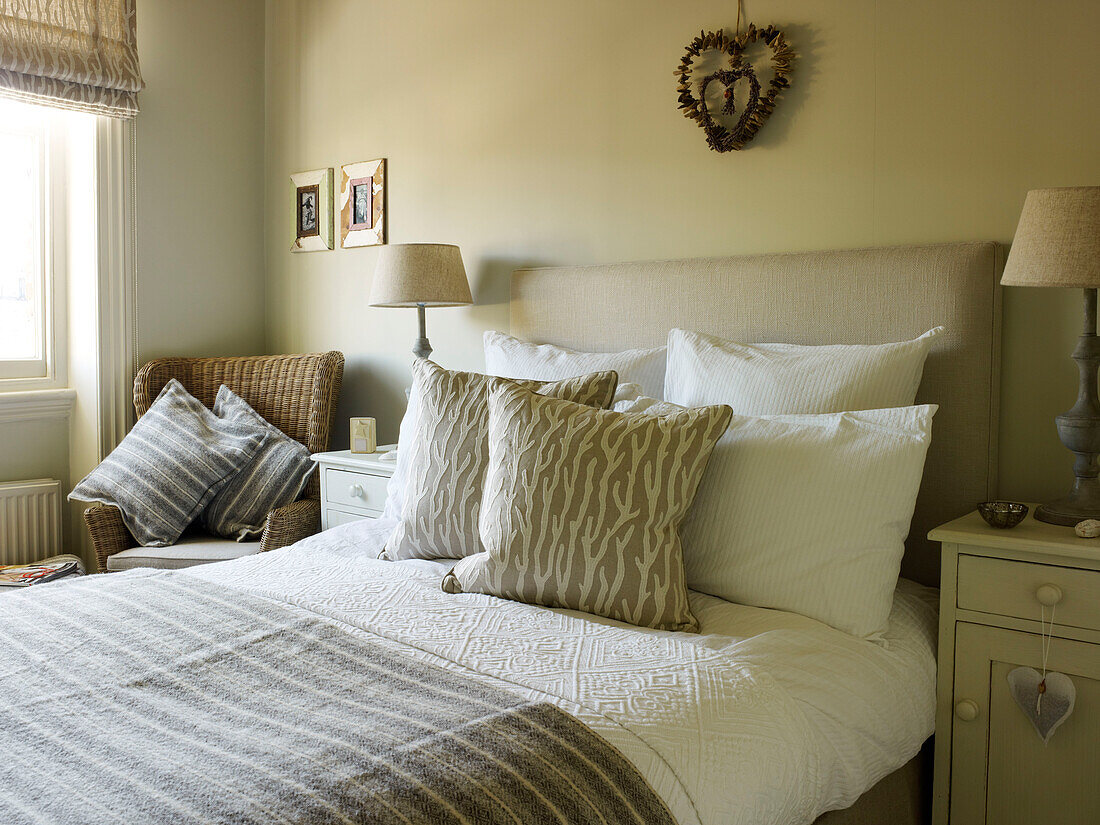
758, 107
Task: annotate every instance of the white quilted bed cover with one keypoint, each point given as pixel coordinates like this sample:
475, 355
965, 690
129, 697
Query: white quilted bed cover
764, 717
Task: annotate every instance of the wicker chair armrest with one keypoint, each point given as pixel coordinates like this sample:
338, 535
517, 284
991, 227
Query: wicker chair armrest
108, 532
286, 525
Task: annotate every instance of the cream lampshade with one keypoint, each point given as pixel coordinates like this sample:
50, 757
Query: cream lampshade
1057, 243
420, 275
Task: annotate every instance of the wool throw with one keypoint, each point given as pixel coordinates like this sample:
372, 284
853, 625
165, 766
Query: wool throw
159, 698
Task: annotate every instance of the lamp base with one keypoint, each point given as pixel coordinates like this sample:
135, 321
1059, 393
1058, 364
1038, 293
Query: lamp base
1082, 503
1079, 431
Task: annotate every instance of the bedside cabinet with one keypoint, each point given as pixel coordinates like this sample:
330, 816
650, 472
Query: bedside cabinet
991, 765
353, 485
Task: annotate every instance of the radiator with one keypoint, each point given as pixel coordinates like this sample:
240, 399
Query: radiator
30, 520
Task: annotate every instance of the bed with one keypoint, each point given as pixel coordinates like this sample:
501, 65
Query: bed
184, 695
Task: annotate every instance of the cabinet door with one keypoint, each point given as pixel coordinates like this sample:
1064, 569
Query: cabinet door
1001, 772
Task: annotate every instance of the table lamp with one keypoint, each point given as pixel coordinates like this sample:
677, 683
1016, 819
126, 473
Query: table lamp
1057, 243
420, 275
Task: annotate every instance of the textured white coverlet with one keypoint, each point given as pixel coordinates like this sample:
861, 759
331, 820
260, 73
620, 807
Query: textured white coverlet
764, 717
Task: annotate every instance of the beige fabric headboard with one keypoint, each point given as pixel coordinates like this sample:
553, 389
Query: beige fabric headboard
861, 296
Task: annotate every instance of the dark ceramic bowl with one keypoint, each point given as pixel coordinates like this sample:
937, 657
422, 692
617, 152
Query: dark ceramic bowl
1002, 514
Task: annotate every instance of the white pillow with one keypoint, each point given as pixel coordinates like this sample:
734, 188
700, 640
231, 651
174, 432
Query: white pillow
808, 513
788, 379
395, 488
510, 357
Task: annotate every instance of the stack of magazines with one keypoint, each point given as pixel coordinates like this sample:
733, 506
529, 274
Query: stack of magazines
47, 570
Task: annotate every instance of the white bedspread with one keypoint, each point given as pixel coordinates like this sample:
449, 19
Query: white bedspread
764, 717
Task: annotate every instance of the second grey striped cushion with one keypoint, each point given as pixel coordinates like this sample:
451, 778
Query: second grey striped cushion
168, 467
275, 476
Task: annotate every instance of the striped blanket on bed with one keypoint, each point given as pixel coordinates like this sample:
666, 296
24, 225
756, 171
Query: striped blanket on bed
158, 698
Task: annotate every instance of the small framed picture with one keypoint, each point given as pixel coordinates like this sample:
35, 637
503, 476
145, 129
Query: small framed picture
307, 211
363, 203
313, 228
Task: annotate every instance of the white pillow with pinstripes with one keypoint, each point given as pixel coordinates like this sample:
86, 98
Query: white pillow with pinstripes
168, 467
788, 379
807, 513
275, 476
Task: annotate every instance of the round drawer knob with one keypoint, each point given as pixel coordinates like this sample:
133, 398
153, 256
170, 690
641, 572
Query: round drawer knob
967, 710
355, 491
1049, 595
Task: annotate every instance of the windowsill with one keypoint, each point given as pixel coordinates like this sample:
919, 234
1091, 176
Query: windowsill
36, 404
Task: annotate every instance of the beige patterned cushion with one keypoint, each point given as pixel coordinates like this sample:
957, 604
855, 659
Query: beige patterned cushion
450, 451
583, 507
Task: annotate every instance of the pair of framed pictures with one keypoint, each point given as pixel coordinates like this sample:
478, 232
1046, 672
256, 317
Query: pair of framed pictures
362, 206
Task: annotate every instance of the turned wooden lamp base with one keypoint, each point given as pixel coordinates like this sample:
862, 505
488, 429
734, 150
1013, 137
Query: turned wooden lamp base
1079, 430
1072, 509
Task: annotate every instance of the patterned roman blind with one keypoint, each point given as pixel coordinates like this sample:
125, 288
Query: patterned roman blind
72, 54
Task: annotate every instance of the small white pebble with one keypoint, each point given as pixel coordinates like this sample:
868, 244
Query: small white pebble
1088, 529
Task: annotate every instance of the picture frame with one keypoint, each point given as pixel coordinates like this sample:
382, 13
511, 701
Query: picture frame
312, 210
363, 203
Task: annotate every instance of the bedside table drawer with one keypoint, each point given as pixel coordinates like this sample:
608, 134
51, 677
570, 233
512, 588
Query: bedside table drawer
350, 489
1012, 588
334, 518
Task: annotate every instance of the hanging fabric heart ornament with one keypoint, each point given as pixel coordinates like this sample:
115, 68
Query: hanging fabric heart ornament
1047, 703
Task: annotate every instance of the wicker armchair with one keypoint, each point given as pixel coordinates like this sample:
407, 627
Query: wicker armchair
296, 393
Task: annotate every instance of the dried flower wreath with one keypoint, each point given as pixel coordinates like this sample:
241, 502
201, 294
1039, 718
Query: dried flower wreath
757, 107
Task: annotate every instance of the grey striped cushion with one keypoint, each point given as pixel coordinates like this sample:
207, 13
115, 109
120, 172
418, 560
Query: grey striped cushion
169, 466
274, 477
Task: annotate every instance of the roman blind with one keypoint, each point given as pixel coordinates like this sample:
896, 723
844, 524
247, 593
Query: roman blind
72, 54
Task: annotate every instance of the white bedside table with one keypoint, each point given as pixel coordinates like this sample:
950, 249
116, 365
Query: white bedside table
353, 485
991, 765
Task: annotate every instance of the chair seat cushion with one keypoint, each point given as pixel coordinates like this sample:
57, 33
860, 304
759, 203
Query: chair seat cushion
188, 551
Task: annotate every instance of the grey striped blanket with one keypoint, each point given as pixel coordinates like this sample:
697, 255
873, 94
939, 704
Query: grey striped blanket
150, 697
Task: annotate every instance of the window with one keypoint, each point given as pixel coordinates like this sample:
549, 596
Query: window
38, 150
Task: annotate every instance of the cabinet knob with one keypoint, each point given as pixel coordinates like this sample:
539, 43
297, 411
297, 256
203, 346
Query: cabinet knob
1048, 594
967, 710
355, 491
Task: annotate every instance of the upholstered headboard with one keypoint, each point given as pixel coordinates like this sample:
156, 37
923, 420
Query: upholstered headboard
861, 296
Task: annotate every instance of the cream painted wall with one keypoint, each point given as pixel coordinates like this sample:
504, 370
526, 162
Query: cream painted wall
199, 160
34, 449
547, 133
